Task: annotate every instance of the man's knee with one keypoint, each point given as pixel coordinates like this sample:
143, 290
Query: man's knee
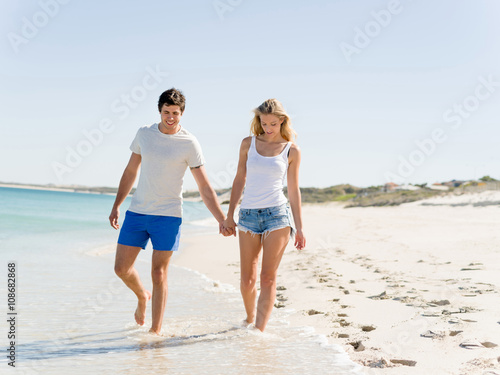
121, 271
125, 259
159, 275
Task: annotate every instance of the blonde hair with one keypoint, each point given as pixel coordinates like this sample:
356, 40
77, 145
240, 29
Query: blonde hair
273, 107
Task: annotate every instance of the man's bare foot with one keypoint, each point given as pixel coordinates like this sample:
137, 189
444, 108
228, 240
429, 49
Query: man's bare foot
155, 333
140, 312
249, 320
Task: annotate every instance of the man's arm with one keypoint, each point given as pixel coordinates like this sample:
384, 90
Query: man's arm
208, 193
126, 183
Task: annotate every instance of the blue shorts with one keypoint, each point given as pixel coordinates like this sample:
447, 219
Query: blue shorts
164, 231
265, 220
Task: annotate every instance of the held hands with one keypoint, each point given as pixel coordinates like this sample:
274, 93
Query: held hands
228, 227
300, 240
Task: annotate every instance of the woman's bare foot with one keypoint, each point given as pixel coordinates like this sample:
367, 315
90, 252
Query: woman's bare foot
249, 320
140, 312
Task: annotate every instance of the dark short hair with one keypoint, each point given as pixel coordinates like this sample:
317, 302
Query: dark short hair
172, 97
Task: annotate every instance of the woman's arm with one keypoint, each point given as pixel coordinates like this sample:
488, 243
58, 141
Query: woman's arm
126, 183
238, 183
294, 195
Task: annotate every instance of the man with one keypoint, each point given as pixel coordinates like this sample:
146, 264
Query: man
163, 151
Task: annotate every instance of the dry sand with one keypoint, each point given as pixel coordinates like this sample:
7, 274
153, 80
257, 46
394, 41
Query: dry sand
412, 289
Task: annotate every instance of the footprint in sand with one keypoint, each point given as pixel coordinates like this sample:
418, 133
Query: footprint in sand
438, 303
358, 346
404, 362
314, 312
488, 344
471, 344
432, 334
281, 298
382, 295
342, 322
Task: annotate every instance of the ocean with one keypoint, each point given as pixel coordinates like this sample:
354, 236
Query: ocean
70, 314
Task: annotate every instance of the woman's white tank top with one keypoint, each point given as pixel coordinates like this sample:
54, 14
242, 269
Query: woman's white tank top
266, 176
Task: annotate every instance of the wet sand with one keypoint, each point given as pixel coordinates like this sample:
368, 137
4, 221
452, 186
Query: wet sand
412, 289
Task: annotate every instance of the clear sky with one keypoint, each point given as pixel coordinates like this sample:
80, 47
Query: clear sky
377, 90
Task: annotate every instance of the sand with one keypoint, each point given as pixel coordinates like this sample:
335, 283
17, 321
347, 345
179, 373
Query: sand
411, 289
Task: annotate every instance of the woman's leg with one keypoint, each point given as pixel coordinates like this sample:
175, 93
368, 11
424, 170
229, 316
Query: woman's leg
274, 247
250, 246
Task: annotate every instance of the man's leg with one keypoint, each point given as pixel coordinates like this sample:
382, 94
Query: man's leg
159, 268
124, 268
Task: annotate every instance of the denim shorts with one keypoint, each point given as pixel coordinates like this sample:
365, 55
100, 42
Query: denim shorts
164, 231
265, 220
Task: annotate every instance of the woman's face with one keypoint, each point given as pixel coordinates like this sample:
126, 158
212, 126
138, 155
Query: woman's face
271, 124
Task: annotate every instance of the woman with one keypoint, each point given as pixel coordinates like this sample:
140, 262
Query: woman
265, 223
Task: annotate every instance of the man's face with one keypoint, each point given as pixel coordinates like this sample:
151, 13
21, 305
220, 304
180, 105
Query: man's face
171, 116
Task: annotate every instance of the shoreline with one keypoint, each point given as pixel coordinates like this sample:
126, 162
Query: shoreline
32, 187
66, 190
410, 289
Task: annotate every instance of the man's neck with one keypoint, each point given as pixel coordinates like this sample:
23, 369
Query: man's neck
163, 129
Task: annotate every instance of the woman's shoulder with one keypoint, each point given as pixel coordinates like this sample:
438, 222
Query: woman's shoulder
245, 144
294, 152
294, 147
246, 141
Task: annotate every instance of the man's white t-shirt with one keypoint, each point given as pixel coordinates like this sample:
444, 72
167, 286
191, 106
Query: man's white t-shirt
165, 158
